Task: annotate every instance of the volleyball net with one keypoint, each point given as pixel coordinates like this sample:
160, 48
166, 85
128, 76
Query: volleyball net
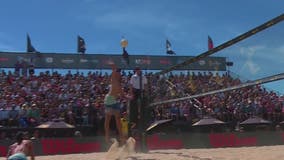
251, 83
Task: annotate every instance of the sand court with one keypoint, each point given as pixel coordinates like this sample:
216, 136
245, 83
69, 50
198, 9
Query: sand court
242, 153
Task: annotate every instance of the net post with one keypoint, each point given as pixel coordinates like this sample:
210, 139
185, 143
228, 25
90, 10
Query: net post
142, 133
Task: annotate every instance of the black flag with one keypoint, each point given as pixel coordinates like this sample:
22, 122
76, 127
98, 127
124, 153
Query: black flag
81, 45
30, 47
169, 47
125, 56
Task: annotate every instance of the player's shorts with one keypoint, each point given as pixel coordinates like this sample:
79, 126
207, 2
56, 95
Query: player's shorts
18, 156
112, 108
111, 105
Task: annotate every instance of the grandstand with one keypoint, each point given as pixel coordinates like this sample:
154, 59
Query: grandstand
28, 100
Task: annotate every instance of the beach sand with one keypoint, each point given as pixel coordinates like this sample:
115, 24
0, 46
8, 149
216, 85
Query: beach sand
243, 153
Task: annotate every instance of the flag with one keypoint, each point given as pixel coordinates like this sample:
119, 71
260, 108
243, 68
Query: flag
30, 47
210, 43
125, 56
168, 47
81, 45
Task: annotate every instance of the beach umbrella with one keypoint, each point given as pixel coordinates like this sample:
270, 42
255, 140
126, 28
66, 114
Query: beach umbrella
255, 121
208, 121
55, 124
158, 123
282, 122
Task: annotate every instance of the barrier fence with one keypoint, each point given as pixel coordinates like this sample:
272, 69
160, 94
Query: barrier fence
189, 140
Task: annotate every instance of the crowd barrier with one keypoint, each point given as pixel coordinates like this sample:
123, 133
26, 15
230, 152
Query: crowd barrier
53, 146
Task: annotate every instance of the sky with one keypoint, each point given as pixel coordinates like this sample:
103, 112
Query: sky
53, 26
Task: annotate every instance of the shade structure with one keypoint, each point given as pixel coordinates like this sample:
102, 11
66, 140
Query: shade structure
255, 121
55, 124
282, 123
158, 123
207, 121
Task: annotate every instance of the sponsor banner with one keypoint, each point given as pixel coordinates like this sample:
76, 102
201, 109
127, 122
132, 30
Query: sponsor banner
187, 140
101, 61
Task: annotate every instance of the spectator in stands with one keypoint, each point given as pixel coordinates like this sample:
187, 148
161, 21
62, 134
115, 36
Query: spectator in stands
85, 115
57, 95
13, 116
33, 115
4, 115
31, 67
17, 67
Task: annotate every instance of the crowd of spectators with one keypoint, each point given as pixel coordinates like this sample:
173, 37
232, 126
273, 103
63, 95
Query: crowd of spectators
27, 101
30, 100
232, 106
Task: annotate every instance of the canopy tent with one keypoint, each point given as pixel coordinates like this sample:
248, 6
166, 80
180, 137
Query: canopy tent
207, 121
158, 123
55, 124
255, 121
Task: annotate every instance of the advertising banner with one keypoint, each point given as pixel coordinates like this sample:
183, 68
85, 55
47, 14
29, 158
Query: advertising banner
101, 61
